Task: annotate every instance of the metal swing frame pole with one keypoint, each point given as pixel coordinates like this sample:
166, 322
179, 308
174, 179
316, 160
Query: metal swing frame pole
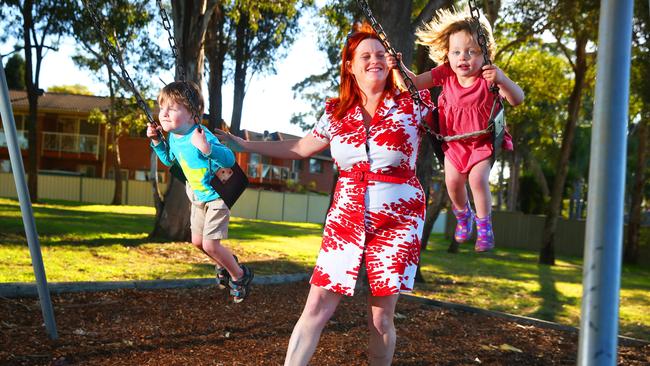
17, 167
604, 233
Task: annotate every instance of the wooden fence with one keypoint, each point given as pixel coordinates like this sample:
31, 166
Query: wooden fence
521, 231
253, 204
512, 229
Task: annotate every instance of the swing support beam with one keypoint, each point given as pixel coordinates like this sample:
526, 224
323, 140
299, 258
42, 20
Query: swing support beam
18, 170
604, 233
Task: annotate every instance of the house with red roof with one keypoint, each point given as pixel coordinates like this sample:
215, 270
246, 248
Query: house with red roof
67, 143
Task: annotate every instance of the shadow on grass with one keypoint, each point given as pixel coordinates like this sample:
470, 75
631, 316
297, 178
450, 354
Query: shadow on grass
57, 221
550, 299
244, 229
9, 240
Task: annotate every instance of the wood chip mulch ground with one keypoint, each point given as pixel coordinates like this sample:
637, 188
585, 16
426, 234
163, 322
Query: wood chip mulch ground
201, 326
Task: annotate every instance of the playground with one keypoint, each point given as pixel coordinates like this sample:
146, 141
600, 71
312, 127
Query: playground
128, 326
164, 327
402, 145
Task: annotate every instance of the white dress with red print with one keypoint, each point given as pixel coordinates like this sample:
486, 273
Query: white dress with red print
374, 220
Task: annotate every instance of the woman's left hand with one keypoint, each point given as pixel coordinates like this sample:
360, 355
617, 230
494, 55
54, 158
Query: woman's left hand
199, 141
493, 74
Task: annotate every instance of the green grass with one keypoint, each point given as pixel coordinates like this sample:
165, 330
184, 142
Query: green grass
83, 242
105, 243
512, 281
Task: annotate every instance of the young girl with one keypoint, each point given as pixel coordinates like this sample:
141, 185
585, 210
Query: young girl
464, 107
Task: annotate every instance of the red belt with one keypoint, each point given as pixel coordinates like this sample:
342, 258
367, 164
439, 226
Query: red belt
361, 176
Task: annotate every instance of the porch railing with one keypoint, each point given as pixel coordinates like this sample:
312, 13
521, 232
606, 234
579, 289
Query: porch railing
71, 143
268, 172
23, 143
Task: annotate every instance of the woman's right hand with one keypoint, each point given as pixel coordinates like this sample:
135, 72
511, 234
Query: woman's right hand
391, 61
225, 137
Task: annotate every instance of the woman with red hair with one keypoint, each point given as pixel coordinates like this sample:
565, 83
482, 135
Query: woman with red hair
377, 212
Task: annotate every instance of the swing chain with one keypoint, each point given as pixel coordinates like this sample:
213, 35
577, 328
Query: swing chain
363, 4
115, 52
410, 85
170, 39
481, 39
189, 93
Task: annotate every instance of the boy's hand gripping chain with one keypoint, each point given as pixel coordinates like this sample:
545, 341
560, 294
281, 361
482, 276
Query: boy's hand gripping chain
229, 189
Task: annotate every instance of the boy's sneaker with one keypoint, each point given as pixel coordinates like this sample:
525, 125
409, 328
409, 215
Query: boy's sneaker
484, 234
241, 288
464, 227
223, 277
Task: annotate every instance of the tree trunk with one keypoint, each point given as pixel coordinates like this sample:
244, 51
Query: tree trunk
631, 250
393, 15
115, 147
424, 170
215, 51
513, 186
173, 220
241, 65
191, 19
31, 83
492, 10
432, 214
117, 167
553, 212
501, 185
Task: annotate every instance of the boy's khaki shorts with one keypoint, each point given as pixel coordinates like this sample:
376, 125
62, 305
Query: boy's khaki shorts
209, 219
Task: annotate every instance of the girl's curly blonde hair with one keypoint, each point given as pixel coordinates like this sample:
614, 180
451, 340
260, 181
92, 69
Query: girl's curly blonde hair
435, 35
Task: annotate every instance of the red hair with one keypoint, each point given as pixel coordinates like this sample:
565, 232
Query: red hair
349, 92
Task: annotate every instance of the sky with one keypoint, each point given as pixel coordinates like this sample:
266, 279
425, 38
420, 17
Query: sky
269, 101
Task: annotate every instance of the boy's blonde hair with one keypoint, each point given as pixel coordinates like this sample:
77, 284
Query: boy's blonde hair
186, 93
436, 33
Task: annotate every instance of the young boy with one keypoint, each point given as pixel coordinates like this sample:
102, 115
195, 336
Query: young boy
200, 155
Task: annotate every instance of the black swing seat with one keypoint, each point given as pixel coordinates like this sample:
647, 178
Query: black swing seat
498, 132
229, 184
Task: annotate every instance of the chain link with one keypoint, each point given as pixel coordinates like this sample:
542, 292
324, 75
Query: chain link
363, 4
115, 53
171, 40
188, 90
410, 85
481, 39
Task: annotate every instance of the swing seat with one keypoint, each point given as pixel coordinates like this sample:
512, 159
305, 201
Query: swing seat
229, 183
498, 132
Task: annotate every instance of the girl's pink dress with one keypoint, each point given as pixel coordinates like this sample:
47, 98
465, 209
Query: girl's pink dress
463, 110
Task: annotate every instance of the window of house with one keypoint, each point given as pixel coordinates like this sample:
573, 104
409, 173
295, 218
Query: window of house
87, 128
86, 170
254, 159
143, 175
67, 125
296, 166
21, 132
315, 166
111, 174
5, 166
